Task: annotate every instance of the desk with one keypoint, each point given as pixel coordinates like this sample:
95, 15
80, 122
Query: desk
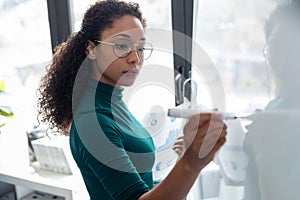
15, 169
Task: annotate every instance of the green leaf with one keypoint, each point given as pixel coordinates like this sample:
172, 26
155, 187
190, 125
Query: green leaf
3, 121
2, 124
6, 111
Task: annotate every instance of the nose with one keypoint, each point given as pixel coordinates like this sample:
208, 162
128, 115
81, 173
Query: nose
133, 56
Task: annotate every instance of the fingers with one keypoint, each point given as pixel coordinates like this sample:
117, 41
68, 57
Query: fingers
179, 145
215, 137
198, 120
195, 130
204, 135
179, 152
211, 127
178, 148
179, 141
180, 137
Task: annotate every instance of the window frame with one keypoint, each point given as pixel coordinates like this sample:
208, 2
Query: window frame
182, 23
60, 20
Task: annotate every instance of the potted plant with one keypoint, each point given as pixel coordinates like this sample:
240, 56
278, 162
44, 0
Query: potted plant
5, 111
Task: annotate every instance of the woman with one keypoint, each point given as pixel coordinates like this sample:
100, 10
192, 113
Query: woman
81, 95
272, 139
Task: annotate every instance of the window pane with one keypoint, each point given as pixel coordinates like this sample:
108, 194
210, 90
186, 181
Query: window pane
25, 49
157, 13
154, 92
78, 9
232, 34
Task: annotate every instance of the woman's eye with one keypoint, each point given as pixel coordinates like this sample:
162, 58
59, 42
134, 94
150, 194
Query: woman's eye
122, 46
141, 49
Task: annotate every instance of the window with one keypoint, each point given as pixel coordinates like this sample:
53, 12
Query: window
231, 33
157, 13
25, 48
231, 74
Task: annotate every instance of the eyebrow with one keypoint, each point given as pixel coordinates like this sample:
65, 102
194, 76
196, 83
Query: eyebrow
127, 36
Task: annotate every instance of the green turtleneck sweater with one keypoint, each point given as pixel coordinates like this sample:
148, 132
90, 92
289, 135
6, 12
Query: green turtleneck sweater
113, 151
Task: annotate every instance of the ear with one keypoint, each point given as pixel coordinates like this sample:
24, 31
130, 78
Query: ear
91, 51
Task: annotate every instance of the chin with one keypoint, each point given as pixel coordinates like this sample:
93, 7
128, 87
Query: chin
126, 83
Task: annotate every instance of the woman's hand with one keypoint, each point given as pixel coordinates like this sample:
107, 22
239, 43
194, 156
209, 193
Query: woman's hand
179, 146
204, 134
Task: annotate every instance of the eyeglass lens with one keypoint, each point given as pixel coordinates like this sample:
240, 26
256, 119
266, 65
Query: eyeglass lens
123, 48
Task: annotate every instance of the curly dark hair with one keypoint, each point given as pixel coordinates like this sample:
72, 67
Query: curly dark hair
55, 92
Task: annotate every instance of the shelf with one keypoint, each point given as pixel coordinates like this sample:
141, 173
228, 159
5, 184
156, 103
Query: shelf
15, 169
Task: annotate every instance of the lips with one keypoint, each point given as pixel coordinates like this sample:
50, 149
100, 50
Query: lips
131, 71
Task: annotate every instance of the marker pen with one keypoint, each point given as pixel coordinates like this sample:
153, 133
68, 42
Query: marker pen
186, 113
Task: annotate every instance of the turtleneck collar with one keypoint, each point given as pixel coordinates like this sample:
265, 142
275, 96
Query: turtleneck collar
103, 88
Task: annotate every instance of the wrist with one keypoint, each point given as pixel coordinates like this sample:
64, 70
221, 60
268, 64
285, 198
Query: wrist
191, 166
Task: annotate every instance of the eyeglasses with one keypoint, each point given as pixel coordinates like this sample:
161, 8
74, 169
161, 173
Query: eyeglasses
122, 48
